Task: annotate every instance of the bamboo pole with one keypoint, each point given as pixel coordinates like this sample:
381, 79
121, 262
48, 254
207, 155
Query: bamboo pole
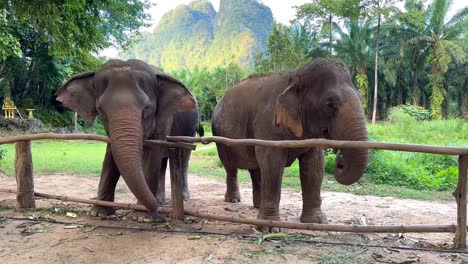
13, 139
24, 176
324, 143
259, 222
460, 196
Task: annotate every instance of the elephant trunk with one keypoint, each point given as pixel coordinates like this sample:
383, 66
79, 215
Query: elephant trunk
126, 137
351, 163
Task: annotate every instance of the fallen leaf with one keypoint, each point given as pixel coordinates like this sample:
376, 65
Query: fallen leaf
194, 237
262, 237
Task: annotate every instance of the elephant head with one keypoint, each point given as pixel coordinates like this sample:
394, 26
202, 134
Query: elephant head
321, 102
135, 101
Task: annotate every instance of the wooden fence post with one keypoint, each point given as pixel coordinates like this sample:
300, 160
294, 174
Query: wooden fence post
24, 176
460, 196
175, 163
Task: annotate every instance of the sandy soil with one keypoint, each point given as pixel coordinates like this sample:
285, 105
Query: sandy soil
27, 242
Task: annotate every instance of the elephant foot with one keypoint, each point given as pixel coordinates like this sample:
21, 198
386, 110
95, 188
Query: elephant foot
269, 229
256, 201
316, 216
101, 211
186, 195
161, 198
144, 216
232, 197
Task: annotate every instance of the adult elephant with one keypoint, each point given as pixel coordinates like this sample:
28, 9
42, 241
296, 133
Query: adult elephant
315, 101
136, 101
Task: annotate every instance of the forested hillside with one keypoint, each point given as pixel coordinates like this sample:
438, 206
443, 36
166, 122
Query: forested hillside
195, 35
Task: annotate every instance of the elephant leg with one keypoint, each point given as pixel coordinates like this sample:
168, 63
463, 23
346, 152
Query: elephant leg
109, 177
232, 186
271, 170
311, 167
256, 187
161, 184
185, 163
232, 194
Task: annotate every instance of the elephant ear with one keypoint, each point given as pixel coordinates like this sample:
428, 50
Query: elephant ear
78, 94
288, 110
173, 97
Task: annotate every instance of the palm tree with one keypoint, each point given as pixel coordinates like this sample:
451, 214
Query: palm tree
445, 44
354, 49
404, 49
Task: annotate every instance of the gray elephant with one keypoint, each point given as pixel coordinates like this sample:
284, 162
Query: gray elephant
315, 101
136, 101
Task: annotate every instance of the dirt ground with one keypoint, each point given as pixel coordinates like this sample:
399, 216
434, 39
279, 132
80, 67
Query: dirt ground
23, 241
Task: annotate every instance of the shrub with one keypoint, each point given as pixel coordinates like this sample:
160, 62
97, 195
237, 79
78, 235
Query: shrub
401, 113
27, 103
53, 118
413, 170
96, 128
396, 115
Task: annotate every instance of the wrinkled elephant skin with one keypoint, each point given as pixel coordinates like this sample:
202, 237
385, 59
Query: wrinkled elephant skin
136, 101
315, 101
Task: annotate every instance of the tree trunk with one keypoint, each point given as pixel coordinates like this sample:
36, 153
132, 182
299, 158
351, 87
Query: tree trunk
415, 78
25, 91
374, 111
24, 176
331, 35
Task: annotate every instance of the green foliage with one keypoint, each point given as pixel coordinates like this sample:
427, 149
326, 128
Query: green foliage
415, 170
74, 25
363, 88
42, 43
2, 156
284, 52
401, 114
96, 128
53, 118
27, 102
210, 85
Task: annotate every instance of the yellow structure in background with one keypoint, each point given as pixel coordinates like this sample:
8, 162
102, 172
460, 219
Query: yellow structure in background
30, 112
9, 108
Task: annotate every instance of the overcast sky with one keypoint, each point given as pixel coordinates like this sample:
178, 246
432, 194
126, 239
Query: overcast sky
283, 11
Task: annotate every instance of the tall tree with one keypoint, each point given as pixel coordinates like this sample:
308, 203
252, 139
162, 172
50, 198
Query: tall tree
324, 15
43, 42
445, 44
381, 9
283, 52
354, 49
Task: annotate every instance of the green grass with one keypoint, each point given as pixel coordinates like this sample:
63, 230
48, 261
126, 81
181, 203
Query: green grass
416, 170
78, 157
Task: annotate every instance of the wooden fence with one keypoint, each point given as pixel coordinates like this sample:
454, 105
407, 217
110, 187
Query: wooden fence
25, 185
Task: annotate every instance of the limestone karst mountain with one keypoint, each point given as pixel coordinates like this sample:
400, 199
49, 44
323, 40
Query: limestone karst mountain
195, 35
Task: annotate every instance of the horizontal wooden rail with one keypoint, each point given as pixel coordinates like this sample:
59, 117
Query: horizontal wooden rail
13, 139
324, 143
259, 222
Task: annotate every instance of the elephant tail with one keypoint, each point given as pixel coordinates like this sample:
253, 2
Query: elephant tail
200, 130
